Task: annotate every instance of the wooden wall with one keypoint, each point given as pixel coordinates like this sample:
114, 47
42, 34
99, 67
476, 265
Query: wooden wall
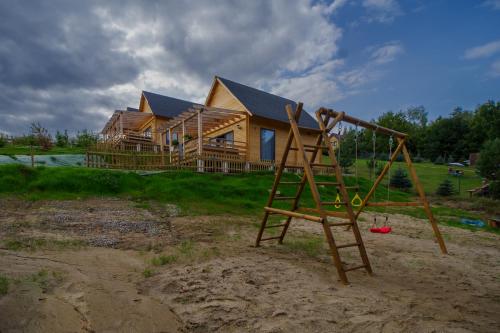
239, 128
281, 133
222, 98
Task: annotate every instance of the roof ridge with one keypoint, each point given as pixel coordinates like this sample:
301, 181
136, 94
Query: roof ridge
249, 87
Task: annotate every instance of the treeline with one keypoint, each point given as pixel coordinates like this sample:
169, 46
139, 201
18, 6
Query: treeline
39, 136
446, 139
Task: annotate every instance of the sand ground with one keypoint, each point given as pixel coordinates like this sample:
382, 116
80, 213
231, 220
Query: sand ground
106, 265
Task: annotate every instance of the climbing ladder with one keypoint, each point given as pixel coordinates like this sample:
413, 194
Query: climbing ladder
326, 123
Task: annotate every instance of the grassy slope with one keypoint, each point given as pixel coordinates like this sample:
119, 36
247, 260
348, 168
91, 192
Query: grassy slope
25, 150
431, 176
194, 193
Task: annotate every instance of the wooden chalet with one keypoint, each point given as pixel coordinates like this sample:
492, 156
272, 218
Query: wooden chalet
237, 124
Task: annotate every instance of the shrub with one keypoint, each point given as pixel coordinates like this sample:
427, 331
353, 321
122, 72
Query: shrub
400, 180
62, 139
85, 139
445, 189
439, 160
3, 140
495, 189
25, 140
4, 285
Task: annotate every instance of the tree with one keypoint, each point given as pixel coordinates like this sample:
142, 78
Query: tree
485, 125
400, 180
62, 139
488, 164
42, 136
448, 136
445, 189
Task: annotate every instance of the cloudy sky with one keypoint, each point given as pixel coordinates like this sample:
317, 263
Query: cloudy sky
69, 64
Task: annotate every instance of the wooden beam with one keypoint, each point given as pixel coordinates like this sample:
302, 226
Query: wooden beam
423, 198
380, 177
365, 124
393, 204
293, 214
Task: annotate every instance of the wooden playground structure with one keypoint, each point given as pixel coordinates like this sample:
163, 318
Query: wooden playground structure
327, 120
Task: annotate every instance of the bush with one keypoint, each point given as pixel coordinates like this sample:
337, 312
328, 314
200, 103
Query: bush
85, 139
400, 180
25, 140
445, 189
495, 189
488, 164
439, 160
62, 139
3, 140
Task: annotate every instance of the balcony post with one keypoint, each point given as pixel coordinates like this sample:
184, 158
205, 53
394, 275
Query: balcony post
200, 141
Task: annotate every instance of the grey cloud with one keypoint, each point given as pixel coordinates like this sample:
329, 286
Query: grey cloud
69, 64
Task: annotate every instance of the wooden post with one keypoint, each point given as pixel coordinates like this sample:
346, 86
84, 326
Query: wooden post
423, 198
121, 123
170, 144
200, 141
277, 180
162, 147
32, 156
183, 140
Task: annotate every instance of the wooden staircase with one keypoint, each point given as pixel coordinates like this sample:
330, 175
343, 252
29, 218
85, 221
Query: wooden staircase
326, 123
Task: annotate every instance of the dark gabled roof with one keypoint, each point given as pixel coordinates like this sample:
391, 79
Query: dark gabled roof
165, 106
266, 105
131, 109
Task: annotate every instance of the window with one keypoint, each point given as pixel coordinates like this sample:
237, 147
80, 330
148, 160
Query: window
147, 132
267, 144
228, 137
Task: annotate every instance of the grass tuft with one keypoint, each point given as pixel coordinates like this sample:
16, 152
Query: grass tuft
4, 285
163, 260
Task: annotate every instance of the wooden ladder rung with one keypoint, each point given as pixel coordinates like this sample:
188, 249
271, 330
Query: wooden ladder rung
285, 198
333, 203
353, 268
293, 166
347, 245
293, 214
275, 225
322, 165
269, 238
339, 224
316, 146
328, 183
305, 149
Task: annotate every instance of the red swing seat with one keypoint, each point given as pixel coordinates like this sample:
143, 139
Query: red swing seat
381, 230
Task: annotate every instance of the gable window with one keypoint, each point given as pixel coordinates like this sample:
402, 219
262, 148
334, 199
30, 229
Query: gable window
267, 144
147, 132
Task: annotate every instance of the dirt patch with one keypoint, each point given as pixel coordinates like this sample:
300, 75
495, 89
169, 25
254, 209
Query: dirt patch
202, 274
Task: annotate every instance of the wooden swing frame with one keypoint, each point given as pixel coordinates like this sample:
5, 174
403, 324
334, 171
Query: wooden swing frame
401, 148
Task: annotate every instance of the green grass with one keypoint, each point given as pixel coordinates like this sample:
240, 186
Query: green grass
4, 285
312, 246
25, 150
163, 260
147, 273
195, 193
212, 194
430, 175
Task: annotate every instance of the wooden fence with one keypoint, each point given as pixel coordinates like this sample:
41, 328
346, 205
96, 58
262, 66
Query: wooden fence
208, 161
